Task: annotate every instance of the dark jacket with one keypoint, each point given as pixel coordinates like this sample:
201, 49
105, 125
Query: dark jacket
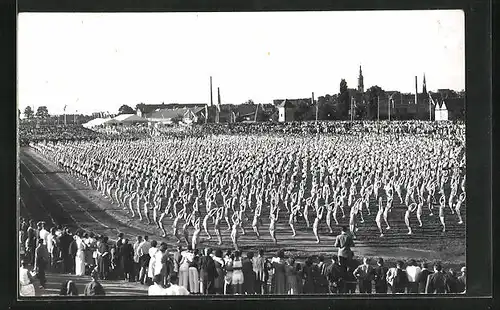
94, 288
422, 280
334, 274
400, 281
452, 284
207, 269
436, 283
320, 277
73, 248
64, 241
344, 242
126, 256
380, 273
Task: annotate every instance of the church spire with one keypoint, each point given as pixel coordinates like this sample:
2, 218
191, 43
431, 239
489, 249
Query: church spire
361, 87
424, 87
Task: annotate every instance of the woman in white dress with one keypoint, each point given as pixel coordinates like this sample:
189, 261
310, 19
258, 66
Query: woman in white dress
152, 253
26, 287
80, 255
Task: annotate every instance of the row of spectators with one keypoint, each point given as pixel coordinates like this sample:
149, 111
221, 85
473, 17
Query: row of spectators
339, 127
37, 133
34, 133
128, 132
188, 271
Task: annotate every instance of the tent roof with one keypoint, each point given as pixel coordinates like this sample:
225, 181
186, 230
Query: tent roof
129, 118
171, 113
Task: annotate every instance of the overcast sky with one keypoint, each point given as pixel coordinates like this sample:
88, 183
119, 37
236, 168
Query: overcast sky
97, 62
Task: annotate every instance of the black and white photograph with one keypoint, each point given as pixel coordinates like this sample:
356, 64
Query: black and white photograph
241, 153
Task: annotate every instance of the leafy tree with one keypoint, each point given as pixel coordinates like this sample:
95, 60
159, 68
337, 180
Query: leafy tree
301, 110
343, 86
42, 112
125, 109
249, 101
373, 94
28, 112
344, 100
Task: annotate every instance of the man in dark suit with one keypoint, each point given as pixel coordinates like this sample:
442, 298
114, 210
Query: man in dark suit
207, 272
380, 273
422, 277
436, 282
344, 242
65, 241
334, 276
401, 279
364, 274
127, 260
31, 242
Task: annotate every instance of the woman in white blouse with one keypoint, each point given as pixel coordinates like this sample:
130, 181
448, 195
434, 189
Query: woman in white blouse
26, 287
152, 253
80, 255
186, 260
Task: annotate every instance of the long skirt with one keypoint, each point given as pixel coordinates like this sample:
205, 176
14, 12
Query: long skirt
194, 280
27, 290
151, 269
80, 263
184, 276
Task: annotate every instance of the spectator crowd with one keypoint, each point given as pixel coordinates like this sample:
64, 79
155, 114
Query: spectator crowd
186, 271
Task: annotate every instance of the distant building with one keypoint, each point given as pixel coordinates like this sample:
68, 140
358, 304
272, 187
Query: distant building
285, 111
168, 115
361, 86
144, 109
441, 113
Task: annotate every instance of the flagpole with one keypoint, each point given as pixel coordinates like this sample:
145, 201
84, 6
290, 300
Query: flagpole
352, 109
378, 108
217, 116
430, 108
389, 107
312, 98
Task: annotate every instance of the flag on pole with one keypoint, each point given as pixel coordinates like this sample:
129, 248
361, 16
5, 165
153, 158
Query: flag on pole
430, 99
218, 99
65, 107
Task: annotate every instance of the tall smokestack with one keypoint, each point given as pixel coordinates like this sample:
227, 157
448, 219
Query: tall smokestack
416, 90
211, 96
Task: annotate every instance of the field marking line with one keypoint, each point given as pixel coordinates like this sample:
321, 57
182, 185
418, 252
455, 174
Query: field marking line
35, 195
34, 162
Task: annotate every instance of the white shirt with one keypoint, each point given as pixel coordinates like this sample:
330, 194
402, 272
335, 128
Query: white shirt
136, 251
176, 290
152, 251
23, 276
158, 262
50, 243
156, 290
413, 272
43, 235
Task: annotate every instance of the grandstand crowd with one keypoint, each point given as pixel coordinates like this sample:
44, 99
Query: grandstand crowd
242, 175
